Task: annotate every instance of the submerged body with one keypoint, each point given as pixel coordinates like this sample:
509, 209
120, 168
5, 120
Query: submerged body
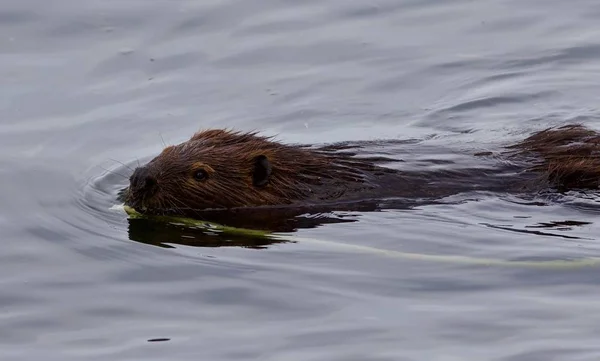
224, 172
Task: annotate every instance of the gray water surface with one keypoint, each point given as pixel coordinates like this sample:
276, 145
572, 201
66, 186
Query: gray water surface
89, 85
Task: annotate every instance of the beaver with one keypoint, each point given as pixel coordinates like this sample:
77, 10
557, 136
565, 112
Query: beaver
223, 171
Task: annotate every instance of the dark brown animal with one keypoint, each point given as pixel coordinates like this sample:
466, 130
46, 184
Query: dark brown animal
224, 171
565, 158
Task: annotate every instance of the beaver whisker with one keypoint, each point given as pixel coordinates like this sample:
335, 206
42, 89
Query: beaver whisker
167, 206
113, 172
123, 164
162, 140
173, 203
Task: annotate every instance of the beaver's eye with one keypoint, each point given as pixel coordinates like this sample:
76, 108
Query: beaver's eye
200, 174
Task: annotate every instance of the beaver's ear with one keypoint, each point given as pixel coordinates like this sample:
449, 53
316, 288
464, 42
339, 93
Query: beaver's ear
261, 172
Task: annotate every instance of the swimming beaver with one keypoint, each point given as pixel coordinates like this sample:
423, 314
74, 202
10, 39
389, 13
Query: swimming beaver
221, 170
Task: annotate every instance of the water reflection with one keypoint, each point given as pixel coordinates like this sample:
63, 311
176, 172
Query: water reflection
541, 233
262, 222
166, 235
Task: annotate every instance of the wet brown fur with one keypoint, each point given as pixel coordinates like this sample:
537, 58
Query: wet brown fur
564, 157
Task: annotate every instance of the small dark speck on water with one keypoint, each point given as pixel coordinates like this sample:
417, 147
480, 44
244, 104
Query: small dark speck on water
159, 339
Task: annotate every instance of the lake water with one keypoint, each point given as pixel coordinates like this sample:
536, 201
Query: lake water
88, 85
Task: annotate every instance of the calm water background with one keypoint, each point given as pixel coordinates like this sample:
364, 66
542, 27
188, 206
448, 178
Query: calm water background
89, 84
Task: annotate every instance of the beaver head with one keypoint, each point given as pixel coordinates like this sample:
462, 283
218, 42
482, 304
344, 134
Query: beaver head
221, 169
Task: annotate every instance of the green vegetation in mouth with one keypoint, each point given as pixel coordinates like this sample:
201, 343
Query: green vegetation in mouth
458, 259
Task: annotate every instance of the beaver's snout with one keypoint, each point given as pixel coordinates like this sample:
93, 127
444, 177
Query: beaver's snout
143, 182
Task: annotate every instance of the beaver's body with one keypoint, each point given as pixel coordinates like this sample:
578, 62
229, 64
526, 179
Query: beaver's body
222, 171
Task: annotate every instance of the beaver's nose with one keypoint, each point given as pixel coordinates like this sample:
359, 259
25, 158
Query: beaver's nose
142, 180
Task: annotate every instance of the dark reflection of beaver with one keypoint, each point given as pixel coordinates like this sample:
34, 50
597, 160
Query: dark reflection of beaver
225, 172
